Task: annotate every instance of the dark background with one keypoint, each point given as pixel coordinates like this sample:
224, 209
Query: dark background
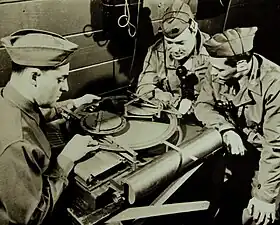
103, 61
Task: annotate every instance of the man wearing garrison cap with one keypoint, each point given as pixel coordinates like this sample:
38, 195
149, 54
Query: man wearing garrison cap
176, 64
31, 179
240, 97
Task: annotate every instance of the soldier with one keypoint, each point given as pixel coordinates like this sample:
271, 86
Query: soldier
240, 98
175, 65
31, 180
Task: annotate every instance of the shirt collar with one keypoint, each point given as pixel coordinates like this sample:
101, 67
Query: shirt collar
254, 78
12, 95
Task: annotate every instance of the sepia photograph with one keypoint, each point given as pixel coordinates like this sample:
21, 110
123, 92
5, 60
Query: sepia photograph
139, 112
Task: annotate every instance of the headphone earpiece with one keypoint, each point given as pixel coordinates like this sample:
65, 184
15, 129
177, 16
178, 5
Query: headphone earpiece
193, 26
34, 76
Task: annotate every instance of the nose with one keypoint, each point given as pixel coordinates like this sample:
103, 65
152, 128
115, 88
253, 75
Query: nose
174, 48
64, 86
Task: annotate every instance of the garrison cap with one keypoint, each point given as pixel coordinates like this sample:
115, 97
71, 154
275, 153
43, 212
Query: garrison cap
231, 42
177, 18
38, 48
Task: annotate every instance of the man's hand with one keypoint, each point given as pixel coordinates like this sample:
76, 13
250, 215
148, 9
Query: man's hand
164, 97
185, 106
262, 212
78, 147
87, 98
234, 143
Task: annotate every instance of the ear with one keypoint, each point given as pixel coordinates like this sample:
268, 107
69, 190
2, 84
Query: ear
34, 73
194, 26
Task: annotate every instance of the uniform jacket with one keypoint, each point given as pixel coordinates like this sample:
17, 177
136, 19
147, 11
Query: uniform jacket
257, 115
29, 186
155, 71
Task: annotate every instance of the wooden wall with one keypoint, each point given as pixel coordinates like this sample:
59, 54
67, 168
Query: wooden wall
101, 65
97, 66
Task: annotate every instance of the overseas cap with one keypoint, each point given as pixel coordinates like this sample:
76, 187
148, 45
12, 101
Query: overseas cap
177, 18
38, 48
231, 42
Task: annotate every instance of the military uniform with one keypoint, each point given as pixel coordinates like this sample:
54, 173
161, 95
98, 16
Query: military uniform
30, 179
255, 113
161, 72
161, 76
28, 186
240, 98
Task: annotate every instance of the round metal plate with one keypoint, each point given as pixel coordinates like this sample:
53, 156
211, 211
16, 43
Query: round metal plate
137, 134
141, 111
143, 134
102, 122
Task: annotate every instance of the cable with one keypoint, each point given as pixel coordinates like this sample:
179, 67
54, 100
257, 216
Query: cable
243, 51
226, 17
126, 18
230, 45
135, 41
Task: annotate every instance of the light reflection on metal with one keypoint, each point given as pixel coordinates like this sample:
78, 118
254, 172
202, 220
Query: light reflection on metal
166, 167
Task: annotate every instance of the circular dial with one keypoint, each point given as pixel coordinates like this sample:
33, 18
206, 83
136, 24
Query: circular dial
103, 122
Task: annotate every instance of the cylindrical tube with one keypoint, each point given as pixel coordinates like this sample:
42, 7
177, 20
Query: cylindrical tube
163, 169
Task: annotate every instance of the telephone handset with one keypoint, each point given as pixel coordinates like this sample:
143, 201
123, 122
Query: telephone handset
188, 81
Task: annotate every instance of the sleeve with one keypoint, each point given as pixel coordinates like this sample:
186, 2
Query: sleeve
27, 192
201, 71
205, 108
269, 164
51, 113
149, 76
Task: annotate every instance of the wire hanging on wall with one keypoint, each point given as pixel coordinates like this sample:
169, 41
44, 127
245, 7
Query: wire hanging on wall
112, 20
226, 16
135, 40
124, 20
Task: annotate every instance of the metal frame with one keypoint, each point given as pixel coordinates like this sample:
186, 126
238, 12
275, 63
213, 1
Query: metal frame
157, 207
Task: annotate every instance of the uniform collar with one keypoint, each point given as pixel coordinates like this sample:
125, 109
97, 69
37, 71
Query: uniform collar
254, 84
12, 95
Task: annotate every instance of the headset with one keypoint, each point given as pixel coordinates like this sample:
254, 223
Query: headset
187, 82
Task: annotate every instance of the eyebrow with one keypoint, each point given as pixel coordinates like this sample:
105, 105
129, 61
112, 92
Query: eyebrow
179, 42
176, 42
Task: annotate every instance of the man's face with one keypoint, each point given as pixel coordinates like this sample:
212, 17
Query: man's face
182, 45
51, 84
227, 68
